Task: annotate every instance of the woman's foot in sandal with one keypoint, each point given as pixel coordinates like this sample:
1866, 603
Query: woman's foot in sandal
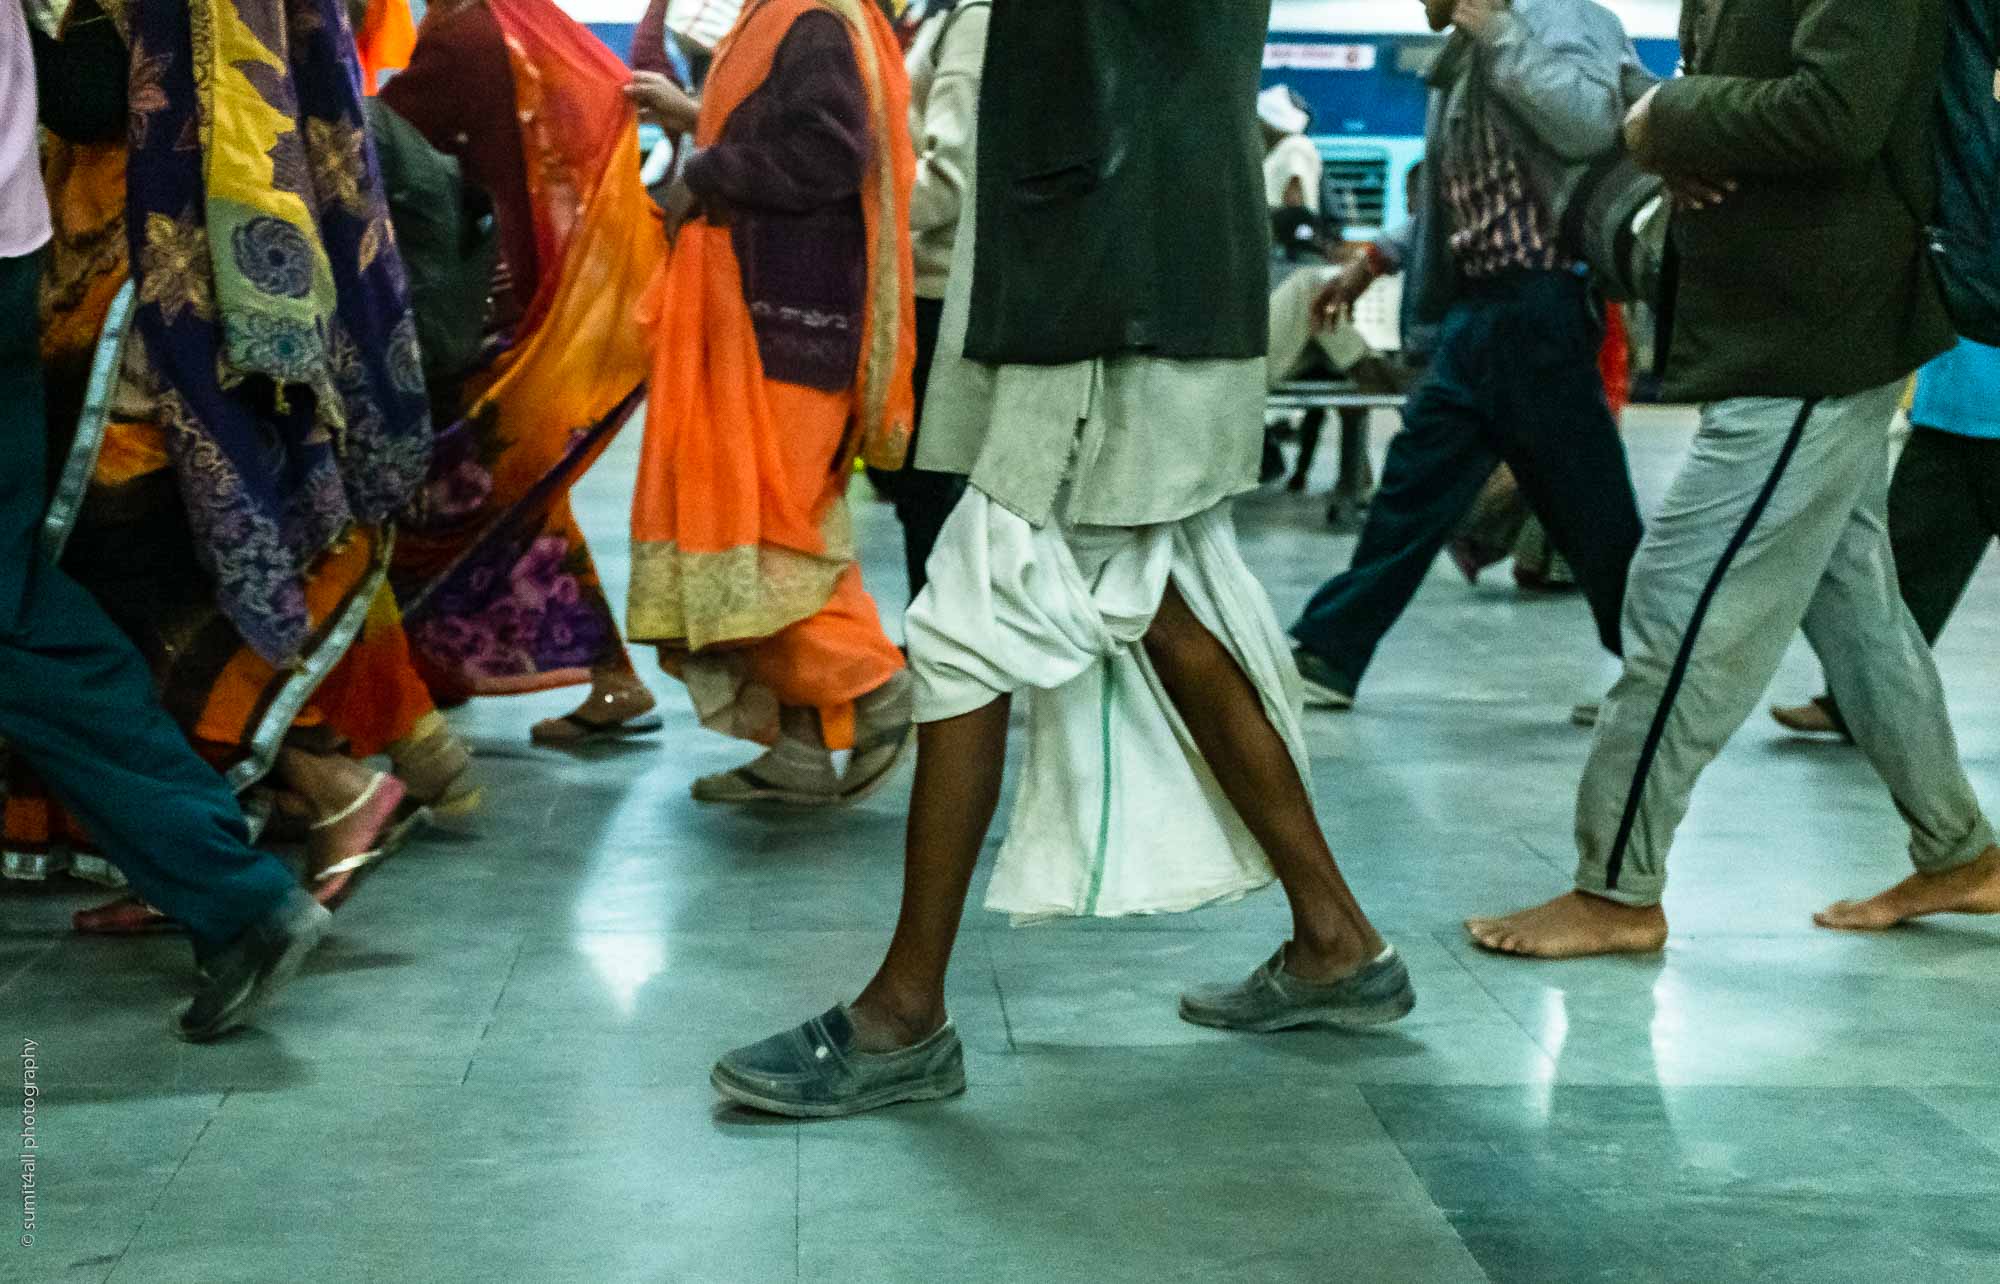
359, 835
356, 814
883, 733
435, 765
797, 771
619, 706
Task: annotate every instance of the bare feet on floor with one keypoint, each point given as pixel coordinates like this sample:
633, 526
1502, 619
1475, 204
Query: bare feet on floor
1575, 925
1969, 889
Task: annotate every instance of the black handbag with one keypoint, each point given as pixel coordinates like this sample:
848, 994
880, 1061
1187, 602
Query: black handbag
81, 77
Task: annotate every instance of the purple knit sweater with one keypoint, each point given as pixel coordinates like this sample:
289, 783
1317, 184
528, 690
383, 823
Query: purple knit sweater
785, 178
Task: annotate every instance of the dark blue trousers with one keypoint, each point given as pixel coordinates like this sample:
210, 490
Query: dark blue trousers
1513, 378
77, 701
923, 499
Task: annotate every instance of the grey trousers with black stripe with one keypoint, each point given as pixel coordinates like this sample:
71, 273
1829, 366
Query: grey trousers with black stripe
1777, 520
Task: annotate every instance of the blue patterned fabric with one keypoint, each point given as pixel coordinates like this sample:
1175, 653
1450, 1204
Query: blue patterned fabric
274, 311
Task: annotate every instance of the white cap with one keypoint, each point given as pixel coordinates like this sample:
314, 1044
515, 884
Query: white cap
1281, 109
702, 23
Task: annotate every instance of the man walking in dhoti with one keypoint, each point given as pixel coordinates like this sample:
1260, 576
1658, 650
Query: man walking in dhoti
1109, 302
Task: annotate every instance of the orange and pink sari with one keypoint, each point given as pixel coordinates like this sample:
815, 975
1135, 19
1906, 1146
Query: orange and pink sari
744, 568
495, 588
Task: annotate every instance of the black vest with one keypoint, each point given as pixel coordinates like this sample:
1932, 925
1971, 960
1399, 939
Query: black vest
1120, 188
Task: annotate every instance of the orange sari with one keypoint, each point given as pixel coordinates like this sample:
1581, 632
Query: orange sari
743, 552
495, 589
388, 34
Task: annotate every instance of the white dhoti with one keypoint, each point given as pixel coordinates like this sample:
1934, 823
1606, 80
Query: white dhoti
1117, 812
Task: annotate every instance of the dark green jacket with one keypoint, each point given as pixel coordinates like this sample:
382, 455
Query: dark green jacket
445, 232
1813, 278
1121, 189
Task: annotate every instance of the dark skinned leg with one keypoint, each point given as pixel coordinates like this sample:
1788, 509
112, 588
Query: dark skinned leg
1331, 936
960, 762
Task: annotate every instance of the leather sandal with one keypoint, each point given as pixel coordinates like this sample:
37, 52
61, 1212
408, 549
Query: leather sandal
363, 833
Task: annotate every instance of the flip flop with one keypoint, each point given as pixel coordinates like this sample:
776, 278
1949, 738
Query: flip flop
582, 731
744, 786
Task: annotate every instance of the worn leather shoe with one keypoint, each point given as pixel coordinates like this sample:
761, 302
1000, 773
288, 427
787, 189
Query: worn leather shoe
243, 976
816, 1072
1273, 999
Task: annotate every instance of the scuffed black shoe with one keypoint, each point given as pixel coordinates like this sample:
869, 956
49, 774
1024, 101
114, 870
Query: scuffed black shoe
1273, 999
815, 1071
1324, 687
241, 978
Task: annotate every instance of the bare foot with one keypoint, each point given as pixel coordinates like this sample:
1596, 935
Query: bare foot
1969, 889
1575, 925
1808, 719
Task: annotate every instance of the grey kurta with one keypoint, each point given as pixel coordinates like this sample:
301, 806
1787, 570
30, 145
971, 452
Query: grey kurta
1140, 440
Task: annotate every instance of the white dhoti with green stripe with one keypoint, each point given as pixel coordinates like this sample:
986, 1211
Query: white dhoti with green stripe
1117, 813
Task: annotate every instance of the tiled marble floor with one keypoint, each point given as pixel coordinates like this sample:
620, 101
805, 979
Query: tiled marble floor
497, 1070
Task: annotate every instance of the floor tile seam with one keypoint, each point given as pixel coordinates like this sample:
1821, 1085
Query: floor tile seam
160, 1195
1000, 995
1445, 939
493, 1013
1920, 1093
798, 1202
1361, 1091
1536, 850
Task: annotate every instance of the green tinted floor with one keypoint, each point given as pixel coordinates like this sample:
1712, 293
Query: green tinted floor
496, 1071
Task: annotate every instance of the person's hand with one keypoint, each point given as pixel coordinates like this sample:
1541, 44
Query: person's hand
1693, 192
1473, 17
1338, 296
663, 102
678, 206
1639, 131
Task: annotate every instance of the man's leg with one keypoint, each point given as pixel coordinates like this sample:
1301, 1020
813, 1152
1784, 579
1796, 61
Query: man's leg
1939, 522
1331, 936
77, 703
1938, 532
923, 499
1557, 433
1878, 658
1722, 580
1435, 468
923, 503
959, 769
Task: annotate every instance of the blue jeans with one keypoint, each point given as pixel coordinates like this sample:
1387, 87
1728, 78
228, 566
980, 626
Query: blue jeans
77, 701
1513, 379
